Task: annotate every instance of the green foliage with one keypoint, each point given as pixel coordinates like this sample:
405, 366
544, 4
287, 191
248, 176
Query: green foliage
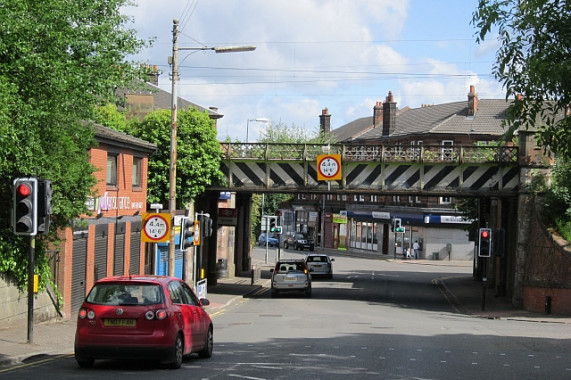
293, 134
557, 205
534, 61
59, 60
198, 154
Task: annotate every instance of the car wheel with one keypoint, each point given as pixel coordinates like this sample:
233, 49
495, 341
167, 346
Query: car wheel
84, 362
285, 245
311, 248
207, 351
178, 351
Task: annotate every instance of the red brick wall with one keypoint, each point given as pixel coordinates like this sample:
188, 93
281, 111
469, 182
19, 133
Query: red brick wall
535, 299
548, 272
124, 200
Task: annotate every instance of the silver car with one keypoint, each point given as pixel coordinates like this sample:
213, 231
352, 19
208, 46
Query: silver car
291, 276
319, 264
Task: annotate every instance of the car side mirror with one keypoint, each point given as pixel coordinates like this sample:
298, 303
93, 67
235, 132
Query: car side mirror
204, 302
272, 270
332, 259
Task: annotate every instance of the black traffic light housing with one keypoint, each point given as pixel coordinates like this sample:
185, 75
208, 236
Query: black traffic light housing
207, 226
397, 225
44, 205
485, 242
25, 207
186, 233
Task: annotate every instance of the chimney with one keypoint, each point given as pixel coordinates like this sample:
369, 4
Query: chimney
389, 115
325, 121
472, 101
377, 114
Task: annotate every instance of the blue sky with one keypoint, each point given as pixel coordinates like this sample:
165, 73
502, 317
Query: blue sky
343, 55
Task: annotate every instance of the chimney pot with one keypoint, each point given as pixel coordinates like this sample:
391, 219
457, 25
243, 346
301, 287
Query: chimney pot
325, 121
389, 112
472, 101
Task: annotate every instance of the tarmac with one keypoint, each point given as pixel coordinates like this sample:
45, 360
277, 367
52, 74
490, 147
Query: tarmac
55, 338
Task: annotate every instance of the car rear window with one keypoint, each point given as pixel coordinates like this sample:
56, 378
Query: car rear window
290, 267
317, 259
125, 294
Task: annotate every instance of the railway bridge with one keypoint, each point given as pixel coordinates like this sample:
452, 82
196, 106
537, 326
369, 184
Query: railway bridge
499, 176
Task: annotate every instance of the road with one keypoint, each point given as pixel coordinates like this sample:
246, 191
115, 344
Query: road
373, 320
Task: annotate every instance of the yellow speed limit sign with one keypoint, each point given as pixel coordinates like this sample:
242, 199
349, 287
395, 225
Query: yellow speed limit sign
156, 227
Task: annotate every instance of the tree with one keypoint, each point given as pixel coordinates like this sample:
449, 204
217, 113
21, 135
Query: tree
293, 134
198, 154
534, 60
59, 60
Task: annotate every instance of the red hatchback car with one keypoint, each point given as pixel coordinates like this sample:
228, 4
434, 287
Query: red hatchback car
142, 317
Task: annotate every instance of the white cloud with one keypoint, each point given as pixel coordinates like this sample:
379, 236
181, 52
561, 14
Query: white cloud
341, 54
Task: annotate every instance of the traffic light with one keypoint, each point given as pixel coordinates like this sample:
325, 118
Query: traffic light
186, 232
207, 227
273, 223
278, 229
485, 242
25, 206
397, 225
44, 205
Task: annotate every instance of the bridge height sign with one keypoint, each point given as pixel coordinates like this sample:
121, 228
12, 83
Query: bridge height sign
329, 167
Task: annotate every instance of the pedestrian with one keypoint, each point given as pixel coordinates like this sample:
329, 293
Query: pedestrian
416, 247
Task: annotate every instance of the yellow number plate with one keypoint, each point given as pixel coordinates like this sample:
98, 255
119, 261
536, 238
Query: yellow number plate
120, 322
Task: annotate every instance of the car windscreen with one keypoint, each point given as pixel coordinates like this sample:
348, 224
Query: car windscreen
125, 294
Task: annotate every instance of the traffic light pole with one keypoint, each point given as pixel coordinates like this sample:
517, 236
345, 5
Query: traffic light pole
484, 282
31, 254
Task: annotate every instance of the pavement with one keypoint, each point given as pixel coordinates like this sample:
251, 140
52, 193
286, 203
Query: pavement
56, 337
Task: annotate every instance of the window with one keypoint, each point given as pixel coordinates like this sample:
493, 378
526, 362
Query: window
137, 164
445, 200
111, 169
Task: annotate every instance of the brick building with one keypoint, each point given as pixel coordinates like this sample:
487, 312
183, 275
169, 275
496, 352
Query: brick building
107, 242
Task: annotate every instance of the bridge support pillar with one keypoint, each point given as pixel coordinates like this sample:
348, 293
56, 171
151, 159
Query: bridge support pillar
242, 243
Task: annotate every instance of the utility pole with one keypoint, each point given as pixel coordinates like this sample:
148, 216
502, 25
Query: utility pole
172, 178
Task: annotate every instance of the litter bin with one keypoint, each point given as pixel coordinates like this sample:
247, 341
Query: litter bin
435, 256
222, 268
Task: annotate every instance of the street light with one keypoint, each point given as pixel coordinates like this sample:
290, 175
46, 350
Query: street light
174, 96
259, 120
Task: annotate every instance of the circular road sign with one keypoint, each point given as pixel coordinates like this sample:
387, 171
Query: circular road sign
329, 167
156, 228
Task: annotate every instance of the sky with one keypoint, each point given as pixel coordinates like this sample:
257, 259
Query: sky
343, 55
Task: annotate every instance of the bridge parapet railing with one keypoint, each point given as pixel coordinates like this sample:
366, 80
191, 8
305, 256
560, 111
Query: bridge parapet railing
371, 153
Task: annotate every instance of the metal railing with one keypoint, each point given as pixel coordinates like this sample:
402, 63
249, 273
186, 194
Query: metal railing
371, 153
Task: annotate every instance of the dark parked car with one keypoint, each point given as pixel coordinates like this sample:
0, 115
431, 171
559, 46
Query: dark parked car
299, 240
142, 317
290, 276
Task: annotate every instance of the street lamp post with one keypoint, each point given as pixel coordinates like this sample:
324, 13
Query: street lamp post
173, 146
259, 120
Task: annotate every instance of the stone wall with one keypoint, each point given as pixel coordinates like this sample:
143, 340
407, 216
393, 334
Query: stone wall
547, 271
14, 305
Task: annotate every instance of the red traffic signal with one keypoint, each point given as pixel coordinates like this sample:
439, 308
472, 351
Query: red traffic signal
24, 189
485, 242
24, 219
